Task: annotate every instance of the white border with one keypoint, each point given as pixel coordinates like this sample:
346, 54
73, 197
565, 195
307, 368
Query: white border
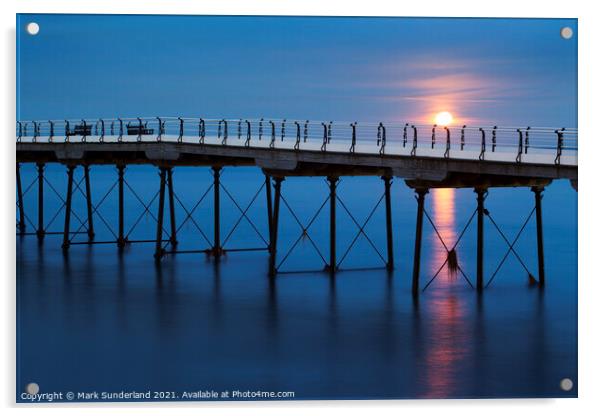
590, 287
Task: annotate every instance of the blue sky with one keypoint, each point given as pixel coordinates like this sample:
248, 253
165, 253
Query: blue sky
484, 71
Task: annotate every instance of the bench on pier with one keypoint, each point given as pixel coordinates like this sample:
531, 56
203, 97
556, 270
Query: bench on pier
80, 130
138, 130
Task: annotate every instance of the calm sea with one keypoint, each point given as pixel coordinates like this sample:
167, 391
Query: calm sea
98, 320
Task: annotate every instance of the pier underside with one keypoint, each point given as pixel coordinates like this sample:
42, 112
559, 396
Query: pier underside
434, 172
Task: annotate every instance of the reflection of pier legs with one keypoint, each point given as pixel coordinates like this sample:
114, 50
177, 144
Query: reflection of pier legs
480, 238
274, 225
540, 258
421, 192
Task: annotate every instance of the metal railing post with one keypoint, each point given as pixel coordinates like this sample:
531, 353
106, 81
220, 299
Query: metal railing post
298, 136
559, 144
447, 143
181, 133
520, 146
201, 131
381, 138
248, 139
353, 137
102, 130
120, 137
67, 131
325, 138
414, 141
225, 124
433, 136
305, 131
160, 133
85, 132
482, 154
35, 131
273, 136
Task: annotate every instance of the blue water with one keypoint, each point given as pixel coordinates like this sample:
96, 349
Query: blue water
98, 320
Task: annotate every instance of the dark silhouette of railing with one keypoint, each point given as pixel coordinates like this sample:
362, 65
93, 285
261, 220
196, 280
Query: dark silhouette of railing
542, 144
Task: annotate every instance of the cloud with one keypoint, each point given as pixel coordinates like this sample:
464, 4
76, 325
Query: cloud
467, 87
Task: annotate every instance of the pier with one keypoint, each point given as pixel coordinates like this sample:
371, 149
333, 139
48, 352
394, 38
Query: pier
423, 156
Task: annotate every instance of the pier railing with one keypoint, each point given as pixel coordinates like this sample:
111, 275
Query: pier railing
519, 144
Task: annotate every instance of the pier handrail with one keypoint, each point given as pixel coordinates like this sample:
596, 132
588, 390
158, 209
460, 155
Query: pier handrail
356, 136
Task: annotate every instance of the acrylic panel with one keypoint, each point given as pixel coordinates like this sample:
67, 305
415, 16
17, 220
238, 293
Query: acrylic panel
295, 208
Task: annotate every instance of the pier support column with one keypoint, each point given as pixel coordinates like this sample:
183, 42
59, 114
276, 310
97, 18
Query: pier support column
89, 203
268, 195
70, 170
172, 209
332, 181
420, 192
20, 201
40, 232
537, 190
159, 240
480, 237
387, 181
274, 231
216, 251
121, 239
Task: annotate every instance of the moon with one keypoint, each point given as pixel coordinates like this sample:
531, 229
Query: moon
444, 118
